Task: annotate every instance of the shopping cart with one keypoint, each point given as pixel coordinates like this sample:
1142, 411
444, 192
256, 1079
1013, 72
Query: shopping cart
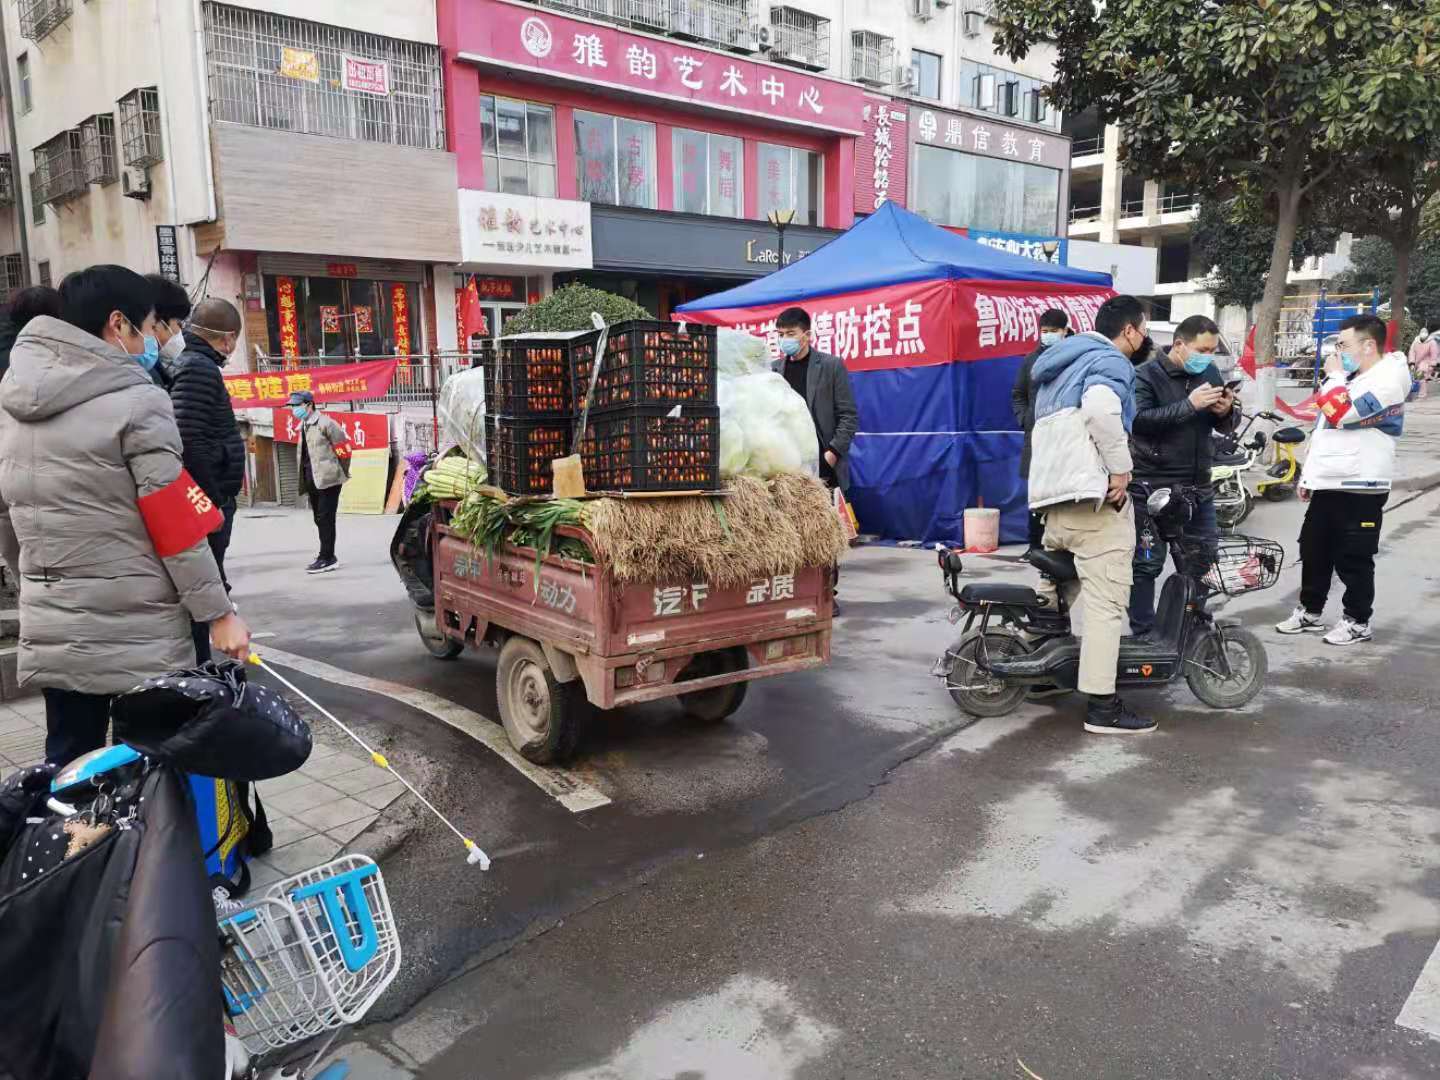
307, 958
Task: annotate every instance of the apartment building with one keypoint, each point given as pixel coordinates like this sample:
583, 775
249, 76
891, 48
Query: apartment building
1110, 205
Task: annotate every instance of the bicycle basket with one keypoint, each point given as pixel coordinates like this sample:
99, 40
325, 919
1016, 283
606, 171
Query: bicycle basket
1244, 564
314, 953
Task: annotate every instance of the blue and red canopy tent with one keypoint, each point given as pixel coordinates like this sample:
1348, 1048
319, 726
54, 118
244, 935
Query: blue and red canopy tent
932, 327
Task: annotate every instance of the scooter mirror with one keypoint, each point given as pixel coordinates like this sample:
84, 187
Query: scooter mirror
1158, 501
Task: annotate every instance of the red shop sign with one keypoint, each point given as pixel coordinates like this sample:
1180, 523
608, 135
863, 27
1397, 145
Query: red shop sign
366, 431
333, 382
342, 270
520, 38
494, 288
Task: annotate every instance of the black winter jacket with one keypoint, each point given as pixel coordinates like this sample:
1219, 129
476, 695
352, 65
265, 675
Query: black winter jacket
214, 450
1022, 404
1170, 441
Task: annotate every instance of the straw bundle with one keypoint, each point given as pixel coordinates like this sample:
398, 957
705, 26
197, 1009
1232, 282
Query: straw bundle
758, 531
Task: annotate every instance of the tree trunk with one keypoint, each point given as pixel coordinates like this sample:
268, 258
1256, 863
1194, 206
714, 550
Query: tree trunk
1404, 245
1267, 317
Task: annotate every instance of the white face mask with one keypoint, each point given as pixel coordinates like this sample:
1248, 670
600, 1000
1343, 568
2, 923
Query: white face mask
172, 349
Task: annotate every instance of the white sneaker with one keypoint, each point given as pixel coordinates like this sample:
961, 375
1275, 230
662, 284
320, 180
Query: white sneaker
1348, 632
1300, 622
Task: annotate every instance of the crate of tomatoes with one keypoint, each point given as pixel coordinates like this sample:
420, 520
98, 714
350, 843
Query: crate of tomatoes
653, 448
519, 450
646, 363
529, 376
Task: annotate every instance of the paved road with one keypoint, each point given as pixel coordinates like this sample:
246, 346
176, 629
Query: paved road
842, 883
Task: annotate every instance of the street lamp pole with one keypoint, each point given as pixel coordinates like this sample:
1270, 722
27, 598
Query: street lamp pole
781, 219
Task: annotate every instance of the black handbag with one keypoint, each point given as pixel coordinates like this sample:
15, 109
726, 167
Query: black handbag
210, 721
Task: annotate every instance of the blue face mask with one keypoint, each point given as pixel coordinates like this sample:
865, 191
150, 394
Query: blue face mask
1195, 363
1349, 363
1050, 337
151, 356
789, 345
298, 411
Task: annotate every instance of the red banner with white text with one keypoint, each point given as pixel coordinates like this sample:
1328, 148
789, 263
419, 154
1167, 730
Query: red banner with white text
337, 382
366, 431
926, 322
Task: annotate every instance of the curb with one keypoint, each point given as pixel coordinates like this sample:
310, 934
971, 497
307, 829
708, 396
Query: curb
1417, 483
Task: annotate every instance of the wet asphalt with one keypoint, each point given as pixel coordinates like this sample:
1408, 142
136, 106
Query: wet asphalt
849, 879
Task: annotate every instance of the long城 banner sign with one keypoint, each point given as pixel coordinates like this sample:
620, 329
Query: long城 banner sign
337, 382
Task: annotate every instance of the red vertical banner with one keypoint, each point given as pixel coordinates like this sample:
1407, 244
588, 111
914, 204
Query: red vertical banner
289, 323
400, 312
461, 339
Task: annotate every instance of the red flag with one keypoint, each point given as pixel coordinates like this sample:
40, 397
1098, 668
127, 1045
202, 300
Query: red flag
472, 316
1392, 333
1247, 354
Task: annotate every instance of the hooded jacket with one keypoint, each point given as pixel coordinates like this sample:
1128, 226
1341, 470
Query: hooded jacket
99, 518
214, 450
328, 449
1360, 420
1084, 410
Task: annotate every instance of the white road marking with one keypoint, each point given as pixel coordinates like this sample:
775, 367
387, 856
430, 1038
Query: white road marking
1421, 1011
573, 794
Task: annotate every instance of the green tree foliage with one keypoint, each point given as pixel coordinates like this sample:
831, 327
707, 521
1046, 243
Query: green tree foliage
1372, 266
569, 308
1237, 248
1259, 100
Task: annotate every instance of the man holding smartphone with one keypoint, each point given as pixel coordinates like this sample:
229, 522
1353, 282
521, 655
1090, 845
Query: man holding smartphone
1179, 400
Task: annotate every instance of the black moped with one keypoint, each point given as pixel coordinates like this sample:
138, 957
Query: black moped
1023, 641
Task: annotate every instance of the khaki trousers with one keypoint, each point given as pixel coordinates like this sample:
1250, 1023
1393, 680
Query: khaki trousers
1103, 543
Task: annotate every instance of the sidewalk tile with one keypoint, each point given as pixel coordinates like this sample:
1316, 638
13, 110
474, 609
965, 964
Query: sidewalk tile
347, 833
303, 797
263, 874
33, 707
365, 778
287, 830
280, 784
302, 854
332, 815
334, 765
12, 722
382, 796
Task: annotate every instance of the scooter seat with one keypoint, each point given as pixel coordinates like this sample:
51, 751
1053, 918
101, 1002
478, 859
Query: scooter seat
1056, 565
1222, 460
1021, 595
1288, 435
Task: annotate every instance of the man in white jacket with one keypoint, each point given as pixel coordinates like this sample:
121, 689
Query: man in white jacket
1346, 479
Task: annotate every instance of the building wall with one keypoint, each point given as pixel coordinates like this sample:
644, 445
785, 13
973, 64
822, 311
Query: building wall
410, 20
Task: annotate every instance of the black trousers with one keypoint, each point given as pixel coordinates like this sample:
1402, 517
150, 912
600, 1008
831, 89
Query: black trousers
219, 544
1036, 538
75, 724
1340, 537
324, 504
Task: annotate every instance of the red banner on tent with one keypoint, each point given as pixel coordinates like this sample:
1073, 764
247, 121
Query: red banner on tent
366, 431
339, 382
926, 322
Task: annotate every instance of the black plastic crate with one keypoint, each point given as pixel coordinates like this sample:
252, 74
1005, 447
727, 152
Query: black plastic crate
519, 450
647, 363
529, 377
646, 449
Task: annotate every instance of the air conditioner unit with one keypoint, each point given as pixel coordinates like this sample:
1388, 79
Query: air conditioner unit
764, 39
971, 23
924, 10
943, 3
135, 184
907, 80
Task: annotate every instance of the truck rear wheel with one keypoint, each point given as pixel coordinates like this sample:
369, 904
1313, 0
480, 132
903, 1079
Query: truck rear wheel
720, 702
543, 718
438, 645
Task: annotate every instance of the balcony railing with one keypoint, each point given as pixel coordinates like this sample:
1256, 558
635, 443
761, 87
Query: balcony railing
7, 180
1177, 202
40, 18
723, 22
1084, 213
798, 37
60, 168
1086, 147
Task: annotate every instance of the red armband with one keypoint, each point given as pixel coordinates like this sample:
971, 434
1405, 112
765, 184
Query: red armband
342, 450
1334, 404
178, 515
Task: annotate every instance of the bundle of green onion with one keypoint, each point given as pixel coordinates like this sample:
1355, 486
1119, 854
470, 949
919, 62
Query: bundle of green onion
492, 523
454, 477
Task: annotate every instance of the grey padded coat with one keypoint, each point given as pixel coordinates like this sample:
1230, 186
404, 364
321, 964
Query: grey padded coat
84, 434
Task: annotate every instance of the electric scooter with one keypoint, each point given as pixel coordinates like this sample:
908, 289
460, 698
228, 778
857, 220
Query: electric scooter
1023, 641
1234, 457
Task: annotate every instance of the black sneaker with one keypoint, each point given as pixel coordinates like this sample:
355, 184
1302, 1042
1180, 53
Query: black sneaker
1111, 716
323, 566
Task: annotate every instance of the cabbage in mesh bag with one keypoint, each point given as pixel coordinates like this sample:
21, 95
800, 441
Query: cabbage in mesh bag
765, 427
462, 412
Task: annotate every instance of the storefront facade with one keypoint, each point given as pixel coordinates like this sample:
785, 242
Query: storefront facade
317, 306
648, 133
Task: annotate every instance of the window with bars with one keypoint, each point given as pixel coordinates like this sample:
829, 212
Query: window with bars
12, 274
7, 180
37, 208
140, 127
40, 18
97, 148
60, 168
272, 71
799, 37
872, 58
45, 272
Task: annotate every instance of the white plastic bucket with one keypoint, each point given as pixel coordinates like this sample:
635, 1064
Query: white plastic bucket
982, 529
